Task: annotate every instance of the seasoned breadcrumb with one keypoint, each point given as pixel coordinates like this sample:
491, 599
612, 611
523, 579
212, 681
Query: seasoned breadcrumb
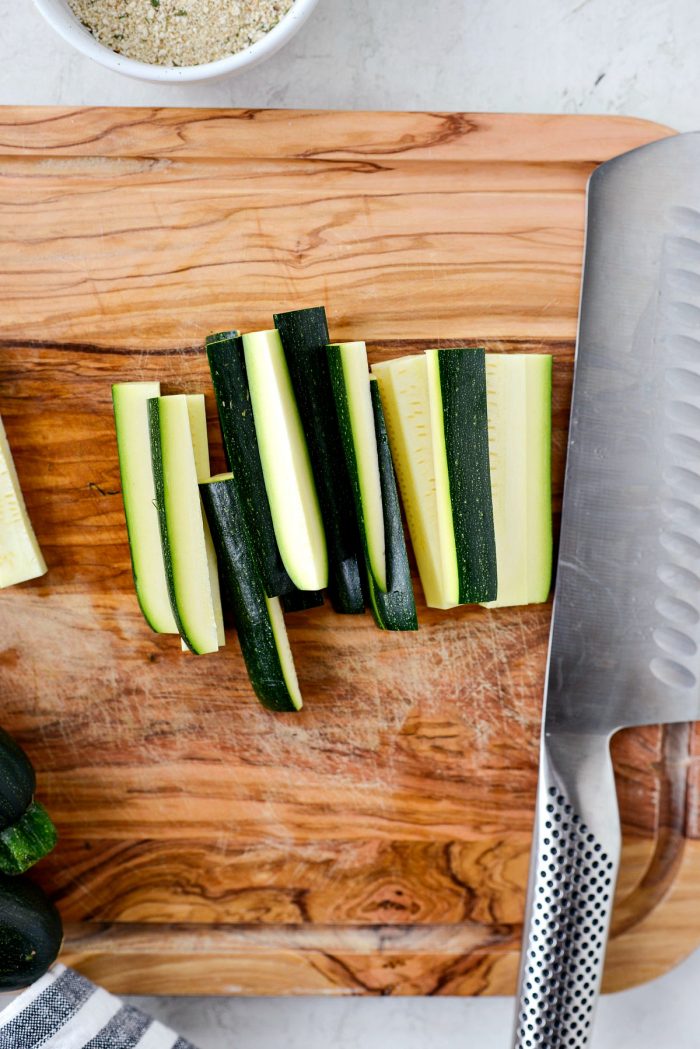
179, 32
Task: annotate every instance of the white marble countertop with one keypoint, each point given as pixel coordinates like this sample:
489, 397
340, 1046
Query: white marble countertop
573, 56
660, 1015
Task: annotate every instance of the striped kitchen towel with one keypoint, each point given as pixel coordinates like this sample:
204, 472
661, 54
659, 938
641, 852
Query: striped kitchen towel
63, 1010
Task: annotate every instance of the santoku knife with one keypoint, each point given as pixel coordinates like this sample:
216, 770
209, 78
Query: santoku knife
625, 640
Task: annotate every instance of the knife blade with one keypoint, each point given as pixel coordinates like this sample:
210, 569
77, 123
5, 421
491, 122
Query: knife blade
625, 638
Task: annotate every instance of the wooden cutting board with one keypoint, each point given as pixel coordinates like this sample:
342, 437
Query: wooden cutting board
378, 842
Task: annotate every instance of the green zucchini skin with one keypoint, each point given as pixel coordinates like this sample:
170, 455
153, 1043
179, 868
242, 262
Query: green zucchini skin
395, 610
338, 387
31, 933
304, 335
17, 781
25, 842
228, 373
301, 600
345, 587
246, 592
465, 421
158, 484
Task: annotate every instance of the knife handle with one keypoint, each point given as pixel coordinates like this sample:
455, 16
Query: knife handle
573, 870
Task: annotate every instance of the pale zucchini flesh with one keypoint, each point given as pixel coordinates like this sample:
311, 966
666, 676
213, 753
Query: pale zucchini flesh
403, 384
197, 413
284, 650
507, 408
449, 569
351, 386
182, 523
138, 493
285, 461
20, 556
197, 416
539, 501
519, 391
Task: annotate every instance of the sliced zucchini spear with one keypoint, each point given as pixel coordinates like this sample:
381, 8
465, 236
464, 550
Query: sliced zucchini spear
259, 618
304, 335
20, 556
519, 391
539, 497
437, 423
130, 401
459, 426
183, 537
403, 384
228, 373
289, 481
395, 610
353, 401
197, 414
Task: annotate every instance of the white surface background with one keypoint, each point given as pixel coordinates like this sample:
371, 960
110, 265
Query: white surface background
638, 57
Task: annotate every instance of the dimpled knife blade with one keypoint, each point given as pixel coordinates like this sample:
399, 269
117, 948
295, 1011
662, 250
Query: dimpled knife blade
625, 640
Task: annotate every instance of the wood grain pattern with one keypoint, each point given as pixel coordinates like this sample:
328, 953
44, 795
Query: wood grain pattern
378, 842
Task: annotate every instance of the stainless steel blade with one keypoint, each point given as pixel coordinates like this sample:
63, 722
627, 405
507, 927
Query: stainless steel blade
625, 642
625, 646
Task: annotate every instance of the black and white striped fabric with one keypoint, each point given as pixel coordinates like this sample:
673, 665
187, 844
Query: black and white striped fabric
63, 1010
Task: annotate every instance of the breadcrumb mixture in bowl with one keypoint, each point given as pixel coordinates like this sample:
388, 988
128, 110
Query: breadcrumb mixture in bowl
179, 32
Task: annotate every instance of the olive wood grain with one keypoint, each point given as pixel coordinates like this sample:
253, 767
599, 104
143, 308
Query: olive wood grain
377, 842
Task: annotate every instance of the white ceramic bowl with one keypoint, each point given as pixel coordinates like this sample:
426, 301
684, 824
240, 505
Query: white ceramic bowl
59, 15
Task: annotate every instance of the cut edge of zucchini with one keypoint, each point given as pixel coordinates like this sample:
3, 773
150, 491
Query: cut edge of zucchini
540, 516
173, 452
519, 389
131, 418
304, 335
226, 358
259, 619
351, 387
284, 650
395, 610
197, 414
449, 571
287, 472
403, 384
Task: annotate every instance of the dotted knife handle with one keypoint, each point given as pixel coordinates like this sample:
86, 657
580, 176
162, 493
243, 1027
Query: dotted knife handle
573, 871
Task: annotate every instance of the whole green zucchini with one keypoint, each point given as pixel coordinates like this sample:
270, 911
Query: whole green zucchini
26, 830
17, 780
31, 933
